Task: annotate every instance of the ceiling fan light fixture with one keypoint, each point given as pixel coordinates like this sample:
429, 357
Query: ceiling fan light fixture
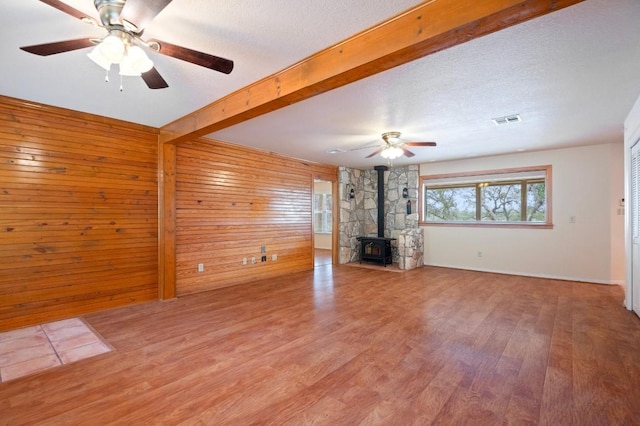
112, 48
127, 69
99, 59
135, 62
391, 152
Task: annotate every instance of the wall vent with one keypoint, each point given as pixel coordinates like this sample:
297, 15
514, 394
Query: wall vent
514, 118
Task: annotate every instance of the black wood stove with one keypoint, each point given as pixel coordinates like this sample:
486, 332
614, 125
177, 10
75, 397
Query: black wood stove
376, 249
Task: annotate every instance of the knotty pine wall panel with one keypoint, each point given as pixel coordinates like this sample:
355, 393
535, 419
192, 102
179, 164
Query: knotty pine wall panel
78, 213
232, 200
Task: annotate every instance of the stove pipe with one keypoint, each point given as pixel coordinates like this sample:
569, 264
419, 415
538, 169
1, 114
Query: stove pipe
381, 170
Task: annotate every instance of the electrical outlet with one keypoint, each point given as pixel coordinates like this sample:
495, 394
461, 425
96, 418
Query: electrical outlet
244, 260
253, 260
264, 258
200, 267
274, 257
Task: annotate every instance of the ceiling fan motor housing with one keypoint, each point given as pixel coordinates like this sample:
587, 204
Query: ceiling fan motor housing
392, 139
109, 11
394, 136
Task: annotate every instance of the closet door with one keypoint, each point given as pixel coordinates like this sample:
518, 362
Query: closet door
635, 227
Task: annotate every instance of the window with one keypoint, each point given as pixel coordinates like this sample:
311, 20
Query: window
499, 197
322, 218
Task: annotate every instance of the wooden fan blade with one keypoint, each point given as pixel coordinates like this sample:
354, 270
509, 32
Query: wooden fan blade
407, 152
420, 144
63, 7
58, 47
376, 152
199, 58
141, 12
154, 80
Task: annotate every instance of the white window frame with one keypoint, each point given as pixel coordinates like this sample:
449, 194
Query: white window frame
480, 178
320, 208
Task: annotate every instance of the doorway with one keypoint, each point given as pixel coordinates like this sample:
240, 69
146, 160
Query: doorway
323, 210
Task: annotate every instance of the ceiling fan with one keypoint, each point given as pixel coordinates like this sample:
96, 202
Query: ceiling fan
125, 21
394, 148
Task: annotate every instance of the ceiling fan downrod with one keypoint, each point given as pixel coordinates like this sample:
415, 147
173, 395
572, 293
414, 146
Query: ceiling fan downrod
109, 11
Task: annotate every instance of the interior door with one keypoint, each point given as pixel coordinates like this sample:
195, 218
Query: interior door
635, 227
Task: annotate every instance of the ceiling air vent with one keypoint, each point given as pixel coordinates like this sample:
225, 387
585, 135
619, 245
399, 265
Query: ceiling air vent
336, 151
514, 118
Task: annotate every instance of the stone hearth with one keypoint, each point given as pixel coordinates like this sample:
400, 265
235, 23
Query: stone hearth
411, 248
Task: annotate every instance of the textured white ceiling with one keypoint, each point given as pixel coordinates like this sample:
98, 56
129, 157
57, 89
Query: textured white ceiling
572, 76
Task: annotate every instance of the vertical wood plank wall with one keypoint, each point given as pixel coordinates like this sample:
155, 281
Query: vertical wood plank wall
231, 201
78, 213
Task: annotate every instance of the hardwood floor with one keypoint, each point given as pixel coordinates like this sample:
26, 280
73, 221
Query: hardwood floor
343, 345
321, 257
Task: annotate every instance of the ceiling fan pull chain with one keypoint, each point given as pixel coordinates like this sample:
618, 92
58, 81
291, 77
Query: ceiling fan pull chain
121, 88
106, 76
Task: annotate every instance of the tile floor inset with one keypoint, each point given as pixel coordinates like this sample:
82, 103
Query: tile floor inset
33, 349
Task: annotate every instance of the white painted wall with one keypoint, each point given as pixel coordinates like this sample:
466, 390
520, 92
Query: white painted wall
617, 222
585, 183
322, 241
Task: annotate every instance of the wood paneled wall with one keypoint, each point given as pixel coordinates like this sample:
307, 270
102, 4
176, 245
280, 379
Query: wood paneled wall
78, 209
231, 201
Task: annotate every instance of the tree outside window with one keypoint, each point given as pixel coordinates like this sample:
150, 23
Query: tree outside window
515, 196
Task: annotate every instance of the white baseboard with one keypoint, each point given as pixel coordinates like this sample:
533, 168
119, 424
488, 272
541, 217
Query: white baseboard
528, 274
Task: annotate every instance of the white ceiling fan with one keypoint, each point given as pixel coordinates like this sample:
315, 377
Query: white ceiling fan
124, 22
393, 147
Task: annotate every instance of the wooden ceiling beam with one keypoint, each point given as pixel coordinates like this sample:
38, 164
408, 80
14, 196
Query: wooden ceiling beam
425, 29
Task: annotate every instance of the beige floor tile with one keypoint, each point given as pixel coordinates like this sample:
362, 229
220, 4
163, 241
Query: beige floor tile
69, 332
82, 352
33, 349
29, 367
23, 343
57, 325
84, 339
20, 332
18, 355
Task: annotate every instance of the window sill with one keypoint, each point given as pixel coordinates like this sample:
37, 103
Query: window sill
510, 225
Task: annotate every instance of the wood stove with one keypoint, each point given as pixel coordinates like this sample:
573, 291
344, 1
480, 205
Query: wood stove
376, 249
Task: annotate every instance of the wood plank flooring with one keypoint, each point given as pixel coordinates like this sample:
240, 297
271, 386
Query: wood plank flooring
342, 346
321, 257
